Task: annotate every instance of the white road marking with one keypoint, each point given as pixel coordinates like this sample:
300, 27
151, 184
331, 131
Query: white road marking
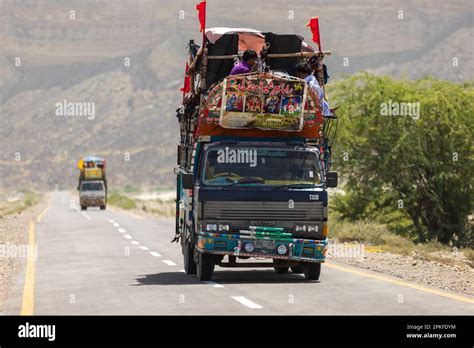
134, 242
246, 302
128, 236
111, 220
87, 216
182, 270
214, 284
121, 230
169, 262
116, 224
144, 248
155, 254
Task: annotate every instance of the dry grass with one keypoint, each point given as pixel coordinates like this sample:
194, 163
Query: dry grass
378, 236
24, 201
121, 201
159, 208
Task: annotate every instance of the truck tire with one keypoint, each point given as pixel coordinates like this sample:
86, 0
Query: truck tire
312, 271
189, 264
279, 268
205, 266
297, 269
102, 207
83, 207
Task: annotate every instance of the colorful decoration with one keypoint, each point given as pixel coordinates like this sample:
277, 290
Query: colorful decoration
252, 101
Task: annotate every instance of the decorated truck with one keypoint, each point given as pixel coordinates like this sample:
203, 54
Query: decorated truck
253, 162
92, 182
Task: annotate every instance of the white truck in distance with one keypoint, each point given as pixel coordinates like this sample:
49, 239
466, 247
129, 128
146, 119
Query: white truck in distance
92, 194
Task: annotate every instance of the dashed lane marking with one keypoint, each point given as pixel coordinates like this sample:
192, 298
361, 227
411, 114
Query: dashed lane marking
246, 302
169, 262
214, 284
155, 254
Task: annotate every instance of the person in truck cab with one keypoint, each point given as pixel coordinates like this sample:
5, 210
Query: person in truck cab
248, 63
305, 72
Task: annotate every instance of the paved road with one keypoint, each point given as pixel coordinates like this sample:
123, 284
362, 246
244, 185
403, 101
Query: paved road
111, 262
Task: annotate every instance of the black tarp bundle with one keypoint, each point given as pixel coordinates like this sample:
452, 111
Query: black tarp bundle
228, 44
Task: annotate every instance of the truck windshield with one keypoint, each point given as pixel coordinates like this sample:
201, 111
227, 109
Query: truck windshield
260, 166
92, 186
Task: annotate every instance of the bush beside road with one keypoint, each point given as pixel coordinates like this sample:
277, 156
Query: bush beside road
160, 204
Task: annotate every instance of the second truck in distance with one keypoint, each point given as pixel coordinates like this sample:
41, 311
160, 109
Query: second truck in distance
92, 183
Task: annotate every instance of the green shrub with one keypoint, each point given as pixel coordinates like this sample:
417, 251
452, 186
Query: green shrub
121, 201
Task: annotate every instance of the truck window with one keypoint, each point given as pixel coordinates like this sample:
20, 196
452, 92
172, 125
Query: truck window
92, 186
262, 166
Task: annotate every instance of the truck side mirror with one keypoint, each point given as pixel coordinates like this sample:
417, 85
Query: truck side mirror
331, 179
188, 181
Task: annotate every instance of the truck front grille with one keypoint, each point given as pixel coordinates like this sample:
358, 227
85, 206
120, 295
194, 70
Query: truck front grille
261, 212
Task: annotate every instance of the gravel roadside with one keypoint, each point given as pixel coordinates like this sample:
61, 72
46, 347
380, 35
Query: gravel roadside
457, 278
14, 234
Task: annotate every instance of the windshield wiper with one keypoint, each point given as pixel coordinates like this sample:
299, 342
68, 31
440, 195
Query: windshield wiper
246, 181
296, 185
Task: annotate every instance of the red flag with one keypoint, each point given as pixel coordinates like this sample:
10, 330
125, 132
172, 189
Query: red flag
187, 82
201, 7
314, 25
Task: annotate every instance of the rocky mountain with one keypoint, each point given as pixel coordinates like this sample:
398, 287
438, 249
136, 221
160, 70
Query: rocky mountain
127, 59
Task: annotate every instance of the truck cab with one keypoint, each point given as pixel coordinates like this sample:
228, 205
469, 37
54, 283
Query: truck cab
261, 199
92, 194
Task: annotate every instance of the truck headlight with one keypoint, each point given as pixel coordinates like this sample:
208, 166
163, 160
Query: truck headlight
211, 227
300, 228
281, 249
224, 228
313, 228
249, 247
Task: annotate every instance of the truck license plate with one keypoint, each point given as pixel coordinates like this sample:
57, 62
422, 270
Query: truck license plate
265, 244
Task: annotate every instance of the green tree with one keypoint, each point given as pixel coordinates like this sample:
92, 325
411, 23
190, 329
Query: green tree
398, 167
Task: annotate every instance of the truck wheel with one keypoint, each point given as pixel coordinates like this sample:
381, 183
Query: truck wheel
205, 266
297, 269
102, 207
189, 264
279, 267
312, 271
83, 207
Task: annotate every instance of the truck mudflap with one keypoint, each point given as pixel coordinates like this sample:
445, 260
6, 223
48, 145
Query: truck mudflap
298, 249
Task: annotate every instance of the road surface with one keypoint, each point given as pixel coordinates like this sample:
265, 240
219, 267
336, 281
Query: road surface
114, 262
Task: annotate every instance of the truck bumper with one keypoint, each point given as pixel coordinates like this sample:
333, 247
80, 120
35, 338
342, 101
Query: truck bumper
92, 202
306, 250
